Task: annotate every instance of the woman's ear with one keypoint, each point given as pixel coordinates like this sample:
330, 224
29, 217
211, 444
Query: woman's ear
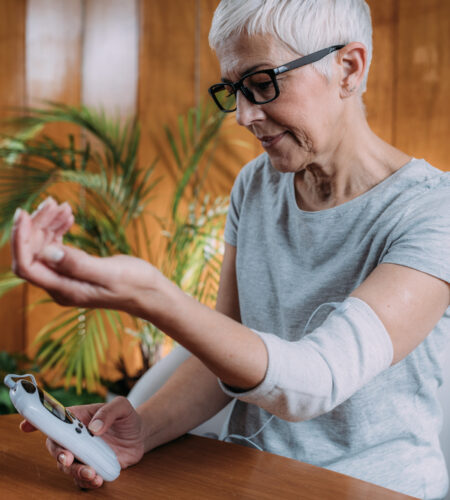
352, 61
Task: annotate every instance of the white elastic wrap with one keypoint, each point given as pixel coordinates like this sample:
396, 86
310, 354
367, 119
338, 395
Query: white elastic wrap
312, 376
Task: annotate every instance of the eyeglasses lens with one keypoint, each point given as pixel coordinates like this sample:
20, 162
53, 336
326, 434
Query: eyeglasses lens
260, 87
225, 96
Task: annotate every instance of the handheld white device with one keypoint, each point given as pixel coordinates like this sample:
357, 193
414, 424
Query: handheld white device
49, 416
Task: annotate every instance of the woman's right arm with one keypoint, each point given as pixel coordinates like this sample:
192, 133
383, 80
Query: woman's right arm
190, 397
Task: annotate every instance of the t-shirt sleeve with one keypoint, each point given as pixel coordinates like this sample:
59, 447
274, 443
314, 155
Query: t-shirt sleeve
421, 239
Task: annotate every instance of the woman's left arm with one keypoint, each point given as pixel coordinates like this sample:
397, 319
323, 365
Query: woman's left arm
234, 353
408, 302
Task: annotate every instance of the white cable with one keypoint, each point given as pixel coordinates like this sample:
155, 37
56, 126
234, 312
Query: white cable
249, 438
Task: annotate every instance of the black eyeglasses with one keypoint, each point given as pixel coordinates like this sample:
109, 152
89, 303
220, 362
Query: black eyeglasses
261, 87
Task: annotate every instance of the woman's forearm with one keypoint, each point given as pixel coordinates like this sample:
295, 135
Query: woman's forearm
231, 351
190, 397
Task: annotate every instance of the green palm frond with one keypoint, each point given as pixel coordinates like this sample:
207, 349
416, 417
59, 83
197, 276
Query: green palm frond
74, 344
197, 132
8, 281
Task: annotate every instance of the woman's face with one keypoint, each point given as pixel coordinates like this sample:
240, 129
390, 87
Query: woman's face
301, 126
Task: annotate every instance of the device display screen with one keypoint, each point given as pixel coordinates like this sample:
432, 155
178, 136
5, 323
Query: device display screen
52, 405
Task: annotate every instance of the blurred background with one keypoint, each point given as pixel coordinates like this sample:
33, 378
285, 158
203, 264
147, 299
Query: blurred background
151, 58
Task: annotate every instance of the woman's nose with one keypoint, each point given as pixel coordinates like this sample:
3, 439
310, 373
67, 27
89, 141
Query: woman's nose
247, 112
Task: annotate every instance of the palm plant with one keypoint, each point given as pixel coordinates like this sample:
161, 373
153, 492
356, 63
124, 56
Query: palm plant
112, 198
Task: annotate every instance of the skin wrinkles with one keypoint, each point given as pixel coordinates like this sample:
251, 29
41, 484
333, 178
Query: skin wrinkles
316, 128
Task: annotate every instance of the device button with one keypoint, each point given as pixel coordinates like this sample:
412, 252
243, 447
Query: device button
78, 430
80, 425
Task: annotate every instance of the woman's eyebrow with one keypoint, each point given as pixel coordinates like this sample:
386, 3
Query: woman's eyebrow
251, 69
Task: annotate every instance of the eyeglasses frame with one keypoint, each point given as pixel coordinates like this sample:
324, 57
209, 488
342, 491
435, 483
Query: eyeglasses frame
273, 73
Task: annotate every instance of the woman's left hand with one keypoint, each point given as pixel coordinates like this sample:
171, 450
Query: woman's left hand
71, 276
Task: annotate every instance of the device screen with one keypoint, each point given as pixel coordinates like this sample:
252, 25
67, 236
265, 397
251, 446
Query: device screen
52, 405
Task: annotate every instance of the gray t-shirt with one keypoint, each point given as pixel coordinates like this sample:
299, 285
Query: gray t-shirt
290, 261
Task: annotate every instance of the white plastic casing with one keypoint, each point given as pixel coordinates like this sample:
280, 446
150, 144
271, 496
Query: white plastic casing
87, 448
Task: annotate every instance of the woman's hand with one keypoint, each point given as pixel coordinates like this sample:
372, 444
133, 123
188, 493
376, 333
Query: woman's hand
117, 423
71, 276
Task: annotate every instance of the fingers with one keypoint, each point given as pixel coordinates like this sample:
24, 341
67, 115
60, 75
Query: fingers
44, 212
31, 234
62, 218
84, 476
83, 278
19, 241
25, 264
25, 426
85, 412
119, 408
63, 456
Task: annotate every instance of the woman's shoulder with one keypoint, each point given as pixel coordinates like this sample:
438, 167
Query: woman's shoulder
423, 201
429, 184
421, 173
416, 184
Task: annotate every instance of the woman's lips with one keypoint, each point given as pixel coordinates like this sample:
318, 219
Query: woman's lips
269, 141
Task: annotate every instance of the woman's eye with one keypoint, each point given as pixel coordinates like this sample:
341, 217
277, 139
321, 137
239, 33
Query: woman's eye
228, 90
264, 85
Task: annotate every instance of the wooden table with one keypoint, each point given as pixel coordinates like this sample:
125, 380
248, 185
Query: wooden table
189, 468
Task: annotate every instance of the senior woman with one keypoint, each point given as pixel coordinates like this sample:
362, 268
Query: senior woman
332, 311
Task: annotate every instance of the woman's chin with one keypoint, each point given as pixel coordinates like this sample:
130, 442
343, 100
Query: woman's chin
285, 165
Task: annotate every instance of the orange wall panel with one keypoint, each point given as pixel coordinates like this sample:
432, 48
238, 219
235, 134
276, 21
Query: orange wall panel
379, 98
12, 94
423, 80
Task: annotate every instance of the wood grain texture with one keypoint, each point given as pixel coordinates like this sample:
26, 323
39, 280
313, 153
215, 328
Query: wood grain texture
12, 95
191, 467
422, 82
379, 98
12, 55
166, 89
166, 70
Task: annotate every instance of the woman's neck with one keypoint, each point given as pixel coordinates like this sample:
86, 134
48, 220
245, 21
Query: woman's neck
355, 166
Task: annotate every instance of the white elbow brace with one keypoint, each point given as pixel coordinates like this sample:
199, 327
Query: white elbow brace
312, 376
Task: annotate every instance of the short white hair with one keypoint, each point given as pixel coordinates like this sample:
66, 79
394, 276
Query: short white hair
304, 26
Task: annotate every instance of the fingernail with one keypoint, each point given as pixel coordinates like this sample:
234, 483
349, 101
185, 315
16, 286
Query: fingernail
17, 215
41, 206
53, 254
45, 202
87, 473
96, 425
62, 458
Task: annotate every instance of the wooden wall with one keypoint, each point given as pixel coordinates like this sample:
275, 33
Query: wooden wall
151, 57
